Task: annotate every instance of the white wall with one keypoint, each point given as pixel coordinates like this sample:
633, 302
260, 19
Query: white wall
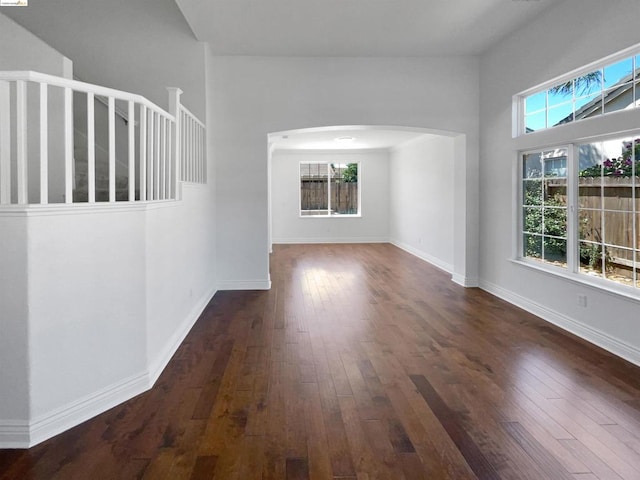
289, 227
140, 47
14, 301
571, 35
422, 197
254, 96
96, 298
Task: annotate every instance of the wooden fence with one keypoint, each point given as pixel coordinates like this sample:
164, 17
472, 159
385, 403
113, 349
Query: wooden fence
606, 212
314, 196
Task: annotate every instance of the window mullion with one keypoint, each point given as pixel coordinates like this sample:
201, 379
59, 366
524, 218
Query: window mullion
573, 233
328, 190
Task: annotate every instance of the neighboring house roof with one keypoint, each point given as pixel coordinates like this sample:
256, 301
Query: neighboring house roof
594, 107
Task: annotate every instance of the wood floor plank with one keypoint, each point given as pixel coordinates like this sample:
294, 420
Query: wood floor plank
362, 362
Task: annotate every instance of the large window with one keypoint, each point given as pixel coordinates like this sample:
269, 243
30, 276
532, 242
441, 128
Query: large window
614, 85
329, 189
580, 209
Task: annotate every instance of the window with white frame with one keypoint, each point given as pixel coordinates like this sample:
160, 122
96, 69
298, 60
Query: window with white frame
580, 208
611, 87
329, 189
579, 203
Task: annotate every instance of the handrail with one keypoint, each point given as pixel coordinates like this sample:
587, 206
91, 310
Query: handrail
31, 76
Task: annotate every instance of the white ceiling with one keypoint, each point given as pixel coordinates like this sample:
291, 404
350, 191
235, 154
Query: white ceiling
356, 27
364, 137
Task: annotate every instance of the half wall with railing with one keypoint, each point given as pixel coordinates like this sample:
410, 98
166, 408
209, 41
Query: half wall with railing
66, 141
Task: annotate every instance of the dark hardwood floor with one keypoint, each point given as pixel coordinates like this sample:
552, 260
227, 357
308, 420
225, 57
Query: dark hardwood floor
363, 362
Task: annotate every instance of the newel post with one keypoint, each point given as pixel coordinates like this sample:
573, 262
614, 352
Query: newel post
174, 109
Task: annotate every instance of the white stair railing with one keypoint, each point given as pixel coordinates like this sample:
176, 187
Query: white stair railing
157, 144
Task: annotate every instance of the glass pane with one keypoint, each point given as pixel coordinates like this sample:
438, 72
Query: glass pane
344, 188
536, 121
590, 193
532, 166
535, 102
619, 265
638, 269
532, 192
555, 221
590, 225
555, 167
561, 93
618, 98
617, 194
618, 73
588, 83
588, 106
532, 246
589, 156
560, 115
555, 251
637, 244
314, 189
591, 259
618, 228
532, 220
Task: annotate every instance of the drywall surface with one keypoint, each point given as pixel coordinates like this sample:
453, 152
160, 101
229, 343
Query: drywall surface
254, 96
14, 360
289, 227
422, 196
539, 52
140, 47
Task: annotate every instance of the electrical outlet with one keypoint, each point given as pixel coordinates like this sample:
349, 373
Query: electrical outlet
582, 300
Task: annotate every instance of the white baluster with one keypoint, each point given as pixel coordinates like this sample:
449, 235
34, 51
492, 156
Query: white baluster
150, 192
112, 149
143, 153
5, 143
21, 142
131, 114
68, 146
163, 157
91, 148
156, 159
174, 138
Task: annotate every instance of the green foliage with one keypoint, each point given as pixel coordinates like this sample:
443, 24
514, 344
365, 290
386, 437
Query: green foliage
583, 84
552, 224
350, 174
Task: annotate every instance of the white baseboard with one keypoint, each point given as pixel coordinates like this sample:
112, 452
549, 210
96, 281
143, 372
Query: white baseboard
14, 434
245, 285
23, 434
436, 262
26, 435
590, 334
157, 366
467, 282
302, 240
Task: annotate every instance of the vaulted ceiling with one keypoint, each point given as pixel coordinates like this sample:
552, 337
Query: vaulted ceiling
357, 27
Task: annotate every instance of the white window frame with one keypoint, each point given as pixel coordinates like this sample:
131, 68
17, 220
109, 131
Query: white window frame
518, 111
572, 270
329, 215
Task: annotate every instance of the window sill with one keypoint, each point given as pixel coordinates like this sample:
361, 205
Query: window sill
604, 286
331, 216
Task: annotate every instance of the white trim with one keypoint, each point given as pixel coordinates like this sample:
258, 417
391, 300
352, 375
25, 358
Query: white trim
303, 240
14, 434
244, 285
467, 282
590, 334
28, 434
23, 434
157, 366
436, 262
